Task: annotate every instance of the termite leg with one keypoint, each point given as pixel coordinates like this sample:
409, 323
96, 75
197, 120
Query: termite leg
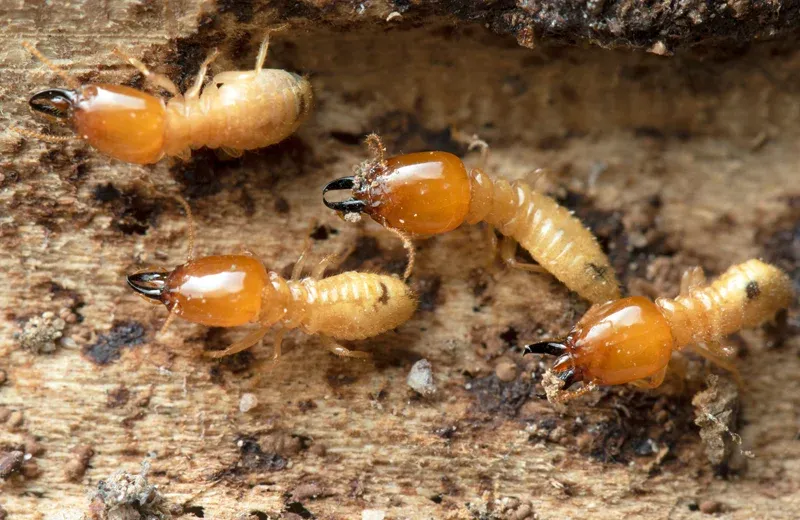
539, 176
473, 142
508, 253
243, 344
194, 91
715, 353
491, 237
331, 261
653, 381
226, 153
342, 351
276, 345
189, 226
693, 278
262, 54
155, 78
297, 270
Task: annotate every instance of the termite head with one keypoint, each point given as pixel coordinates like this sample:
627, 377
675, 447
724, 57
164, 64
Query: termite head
55, 104
614, 343
421, 193
219, 291
120, 121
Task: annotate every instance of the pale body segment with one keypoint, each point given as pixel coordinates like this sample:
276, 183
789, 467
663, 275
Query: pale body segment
433, 192
238, 110
631, 340
238, 290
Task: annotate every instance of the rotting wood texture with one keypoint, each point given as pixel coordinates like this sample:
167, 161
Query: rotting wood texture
673, 162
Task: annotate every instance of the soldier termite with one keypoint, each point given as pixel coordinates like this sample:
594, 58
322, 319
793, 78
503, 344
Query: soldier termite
237, 290
238, 110
631, 340
432, 192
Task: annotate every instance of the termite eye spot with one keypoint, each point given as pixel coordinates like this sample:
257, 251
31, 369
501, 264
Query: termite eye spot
54, 103
753, 290
150, 285
350, 205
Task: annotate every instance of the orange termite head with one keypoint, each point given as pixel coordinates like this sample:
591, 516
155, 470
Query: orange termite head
120, 121
218, 291
423, 193
614, 343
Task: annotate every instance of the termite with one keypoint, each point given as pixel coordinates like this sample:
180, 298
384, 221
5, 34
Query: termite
238, 290
433, 192
631, 340
238, 110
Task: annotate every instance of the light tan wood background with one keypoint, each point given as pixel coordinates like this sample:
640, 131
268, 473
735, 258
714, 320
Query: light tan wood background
714, 136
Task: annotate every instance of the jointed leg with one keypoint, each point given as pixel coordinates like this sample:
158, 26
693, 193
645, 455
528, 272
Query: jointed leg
473, 142
297, 270
717, 355
194, 91
156, 79
508, 253
342, 351
693, 278
331, 261
653, 381
243, 344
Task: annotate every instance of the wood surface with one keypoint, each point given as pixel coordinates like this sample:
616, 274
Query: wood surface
673, 161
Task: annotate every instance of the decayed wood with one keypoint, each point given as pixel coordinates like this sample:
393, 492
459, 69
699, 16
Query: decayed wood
672, 161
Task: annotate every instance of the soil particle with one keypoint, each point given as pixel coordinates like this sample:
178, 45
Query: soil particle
76, 468
505, 370
496, 397
108, 347
420, 378
717, 410
10, 463
40, 334
253, 458
124, 495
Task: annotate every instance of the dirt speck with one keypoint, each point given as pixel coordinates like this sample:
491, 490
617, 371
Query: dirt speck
10, 463
716, 411
40, 334
494, 396
118, 397
420, 378
108, 347
77, 466
126, 495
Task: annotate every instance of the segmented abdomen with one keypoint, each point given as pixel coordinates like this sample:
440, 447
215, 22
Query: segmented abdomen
244, 114
555, 238
353, 305
745, 296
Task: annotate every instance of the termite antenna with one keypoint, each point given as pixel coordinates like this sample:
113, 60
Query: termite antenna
350, 205
69, 80
545, 347
167, 323
190, 225
409, 246
377, 148
48, 138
